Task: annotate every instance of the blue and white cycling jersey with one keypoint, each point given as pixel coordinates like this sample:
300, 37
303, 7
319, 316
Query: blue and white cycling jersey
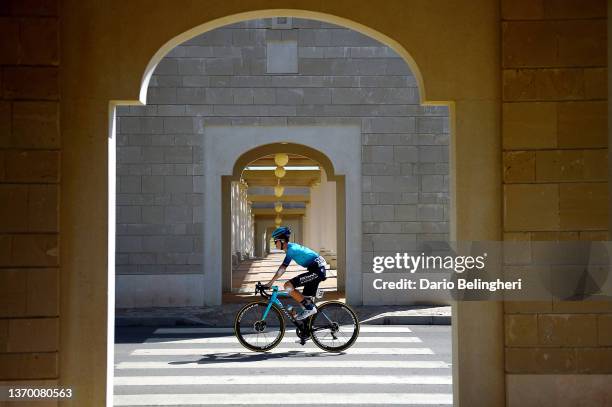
301, 254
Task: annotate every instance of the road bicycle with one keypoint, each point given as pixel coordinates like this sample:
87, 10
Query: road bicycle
260, 326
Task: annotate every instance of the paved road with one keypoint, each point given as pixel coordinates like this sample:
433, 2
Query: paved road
405, 365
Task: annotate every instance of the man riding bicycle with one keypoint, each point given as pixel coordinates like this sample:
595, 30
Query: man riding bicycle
305, 257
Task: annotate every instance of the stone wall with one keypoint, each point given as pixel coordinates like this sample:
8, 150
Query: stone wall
29, 190
335, 76
555, 154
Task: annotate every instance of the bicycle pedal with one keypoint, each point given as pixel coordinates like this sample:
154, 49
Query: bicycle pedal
302, 342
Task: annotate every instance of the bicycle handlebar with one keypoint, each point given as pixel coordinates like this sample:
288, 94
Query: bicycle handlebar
260, 289
263, 290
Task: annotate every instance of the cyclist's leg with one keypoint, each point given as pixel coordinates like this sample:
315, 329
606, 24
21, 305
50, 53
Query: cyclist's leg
295, 294
301, 280
309, 307
310, 280
316, 271
310, 288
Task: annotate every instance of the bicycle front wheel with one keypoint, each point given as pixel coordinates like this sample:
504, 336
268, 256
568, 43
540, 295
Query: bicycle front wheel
255, 333
334, 327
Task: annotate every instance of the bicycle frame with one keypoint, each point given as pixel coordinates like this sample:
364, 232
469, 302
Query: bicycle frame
301, 325
275, 301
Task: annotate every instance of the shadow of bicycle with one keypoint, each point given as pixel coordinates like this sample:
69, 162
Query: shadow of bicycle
254, 357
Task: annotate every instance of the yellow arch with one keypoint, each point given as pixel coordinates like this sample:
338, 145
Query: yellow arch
291, 148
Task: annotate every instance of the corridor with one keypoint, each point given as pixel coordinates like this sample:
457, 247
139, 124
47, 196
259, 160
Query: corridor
249, 272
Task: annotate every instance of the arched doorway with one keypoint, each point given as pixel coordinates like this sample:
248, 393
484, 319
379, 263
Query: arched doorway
304, 198
342, 167
85, 127
212, 286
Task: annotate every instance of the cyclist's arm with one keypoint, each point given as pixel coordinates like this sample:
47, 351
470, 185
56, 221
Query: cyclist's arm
279, 273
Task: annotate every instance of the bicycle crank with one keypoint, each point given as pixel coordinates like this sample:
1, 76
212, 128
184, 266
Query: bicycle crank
302, 335
334, 329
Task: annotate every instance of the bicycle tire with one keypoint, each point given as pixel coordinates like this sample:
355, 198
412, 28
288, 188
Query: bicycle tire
239, 333
319, 319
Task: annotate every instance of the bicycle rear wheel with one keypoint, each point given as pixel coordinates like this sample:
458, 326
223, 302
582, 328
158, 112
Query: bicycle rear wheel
334, 327
256, 334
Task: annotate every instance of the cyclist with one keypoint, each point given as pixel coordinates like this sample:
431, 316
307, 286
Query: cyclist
305, 257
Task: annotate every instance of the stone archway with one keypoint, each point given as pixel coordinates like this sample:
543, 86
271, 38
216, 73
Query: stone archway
120, 30
337, 150
326, 165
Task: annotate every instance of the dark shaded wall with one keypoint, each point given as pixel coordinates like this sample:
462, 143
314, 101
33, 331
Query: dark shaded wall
29, 189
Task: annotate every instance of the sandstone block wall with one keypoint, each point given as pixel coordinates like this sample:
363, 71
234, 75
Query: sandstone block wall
30, 146
555, 157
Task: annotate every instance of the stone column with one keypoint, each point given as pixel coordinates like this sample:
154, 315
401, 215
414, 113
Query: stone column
233, 222
242, 221
240, 235
328, 208
314, 217
320, 219
306, 225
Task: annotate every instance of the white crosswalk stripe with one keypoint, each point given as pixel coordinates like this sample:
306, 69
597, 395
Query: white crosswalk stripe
279, 349
363, 328
281, 399
265, 379
384, 367
289, 339
279, 364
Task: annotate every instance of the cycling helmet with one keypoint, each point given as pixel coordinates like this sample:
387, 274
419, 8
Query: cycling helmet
282, 232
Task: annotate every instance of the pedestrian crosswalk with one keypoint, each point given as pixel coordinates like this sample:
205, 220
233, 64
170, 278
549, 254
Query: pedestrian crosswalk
231, 339
388, 365
278, 364
267, 379
316, 399
363, 329
280, 349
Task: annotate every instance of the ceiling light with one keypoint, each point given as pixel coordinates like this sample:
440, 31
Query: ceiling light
281, 159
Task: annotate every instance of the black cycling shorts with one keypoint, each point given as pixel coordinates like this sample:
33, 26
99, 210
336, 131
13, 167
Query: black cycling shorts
311, 279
